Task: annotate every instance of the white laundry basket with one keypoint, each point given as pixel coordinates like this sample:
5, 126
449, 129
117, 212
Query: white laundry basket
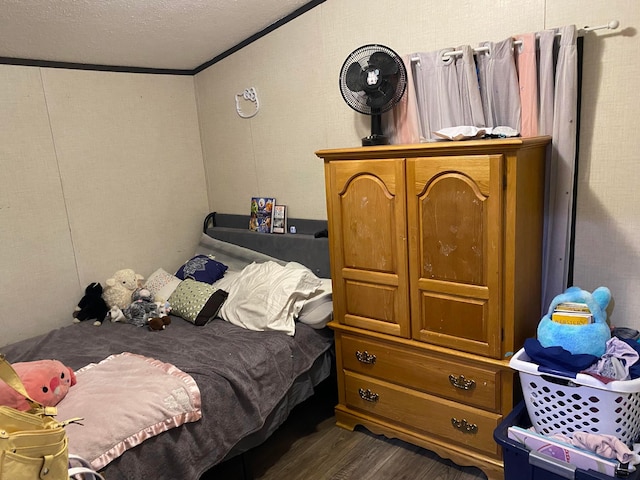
564, 405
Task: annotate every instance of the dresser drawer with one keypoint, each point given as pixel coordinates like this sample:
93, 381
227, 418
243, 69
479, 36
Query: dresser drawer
443, 375
448, 420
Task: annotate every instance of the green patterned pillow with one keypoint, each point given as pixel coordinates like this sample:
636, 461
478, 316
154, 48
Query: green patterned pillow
196, 302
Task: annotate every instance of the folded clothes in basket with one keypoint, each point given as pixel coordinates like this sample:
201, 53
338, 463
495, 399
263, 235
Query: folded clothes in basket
619, 362
607, 446
561, 404
557, 358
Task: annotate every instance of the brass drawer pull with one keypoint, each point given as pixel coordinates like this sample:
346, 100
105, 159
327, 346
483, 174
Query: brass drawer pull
461, 382
365, 357
368, 395
464, 426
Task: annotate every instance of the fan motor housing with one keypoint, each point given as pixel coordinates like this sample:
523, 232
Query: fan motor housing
374, 79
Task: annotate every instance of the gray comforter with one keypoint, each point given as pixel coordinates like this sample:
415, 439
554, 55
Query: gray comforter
242, 376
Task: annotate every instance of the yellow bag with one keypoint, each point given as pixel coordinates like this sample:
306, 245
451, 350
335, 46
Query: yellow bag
33, 445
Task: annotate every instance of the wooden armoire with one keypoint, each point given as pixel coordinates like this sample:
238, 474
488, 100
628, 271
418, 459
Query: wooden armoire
436, 254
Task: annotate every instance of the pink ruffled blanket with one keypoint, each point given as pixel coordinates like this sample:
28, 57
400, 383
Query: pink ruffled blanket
124, 400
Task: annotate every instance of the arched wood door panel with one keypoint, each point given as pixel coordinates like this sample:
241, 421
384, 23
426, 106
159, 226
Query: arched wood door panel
454, 210
369, 245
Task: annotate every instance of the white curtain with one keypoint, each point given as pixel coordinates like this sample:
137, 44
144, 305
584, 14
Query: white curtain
561, 168
471, 101
532, 90
499, 85
447, 91
546, 81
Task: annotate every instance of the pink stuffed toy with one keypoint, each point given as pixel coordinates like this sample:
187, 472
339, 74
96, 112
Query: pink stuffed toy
46, 381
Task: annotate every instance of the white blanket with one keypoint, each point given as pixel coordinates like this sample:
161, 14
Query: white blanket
267, 296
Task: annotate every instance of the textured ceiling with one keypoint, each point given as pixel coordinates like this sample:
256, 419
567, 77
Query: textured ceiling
159, 34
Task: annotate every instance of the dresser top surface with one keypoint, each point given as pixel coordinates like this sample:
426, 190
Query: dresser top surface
465, 147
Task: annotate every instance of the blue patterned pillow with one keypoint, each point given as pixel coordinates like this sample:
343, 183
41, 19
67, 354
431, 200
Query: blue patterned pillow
202, 268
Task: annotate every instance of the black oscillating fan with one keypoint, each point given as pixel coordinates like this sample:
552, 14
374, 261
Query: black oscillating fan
373, 79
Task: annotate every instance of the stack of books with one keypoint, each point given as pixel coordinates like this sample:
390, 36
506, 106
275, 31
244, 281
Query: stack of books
572, 313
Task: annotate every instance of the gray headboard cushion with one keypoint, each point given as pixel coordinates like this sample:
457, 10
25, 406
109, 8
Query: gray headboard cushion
302, 247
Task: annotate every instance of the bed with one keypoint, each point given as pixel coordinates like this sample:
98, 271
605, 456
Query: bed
248, 380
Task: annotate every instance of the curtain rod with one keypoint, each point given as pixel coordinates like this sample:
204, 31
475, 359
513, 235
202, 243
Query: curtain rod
612, 25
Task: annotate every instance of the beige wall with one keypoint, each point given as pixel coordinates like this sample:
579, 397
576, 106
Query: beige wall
295, 72
99, 171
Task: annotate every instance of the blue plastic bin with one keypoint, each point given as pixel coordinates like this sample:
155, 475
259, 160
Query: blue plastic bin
521, 464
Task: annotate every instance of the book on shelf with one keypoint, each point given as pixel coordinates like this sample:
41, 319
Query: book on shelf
279, 224
261, 217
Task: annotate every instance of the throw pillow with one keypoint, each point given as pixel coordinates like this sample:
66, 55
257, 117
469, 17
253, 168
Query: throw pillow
202, 268
161, 284
196, 302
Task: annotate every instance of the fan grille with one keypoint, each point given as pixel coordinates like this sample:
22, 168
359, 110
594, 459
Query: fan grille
360, 100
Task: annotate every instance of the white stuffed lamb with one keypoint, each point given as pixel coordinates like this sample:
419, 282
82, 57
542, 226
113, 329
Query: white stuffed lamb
119, 288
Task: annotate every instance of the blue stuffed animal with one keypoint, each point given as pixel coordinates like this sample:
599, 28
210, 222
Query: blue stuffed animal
591, 338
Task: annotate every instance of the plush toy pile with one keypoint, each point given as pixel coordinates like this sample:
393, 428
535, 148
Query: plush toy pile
123, 300
141, 309
46, 381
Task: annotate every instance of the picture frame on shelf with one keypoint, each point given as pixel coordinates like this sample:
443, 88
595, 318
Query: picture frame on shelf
279, 223
261, 216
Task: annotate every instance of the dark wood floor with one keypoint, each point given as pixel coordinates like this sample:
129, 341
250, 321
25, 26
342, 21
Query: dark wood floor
310, 447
